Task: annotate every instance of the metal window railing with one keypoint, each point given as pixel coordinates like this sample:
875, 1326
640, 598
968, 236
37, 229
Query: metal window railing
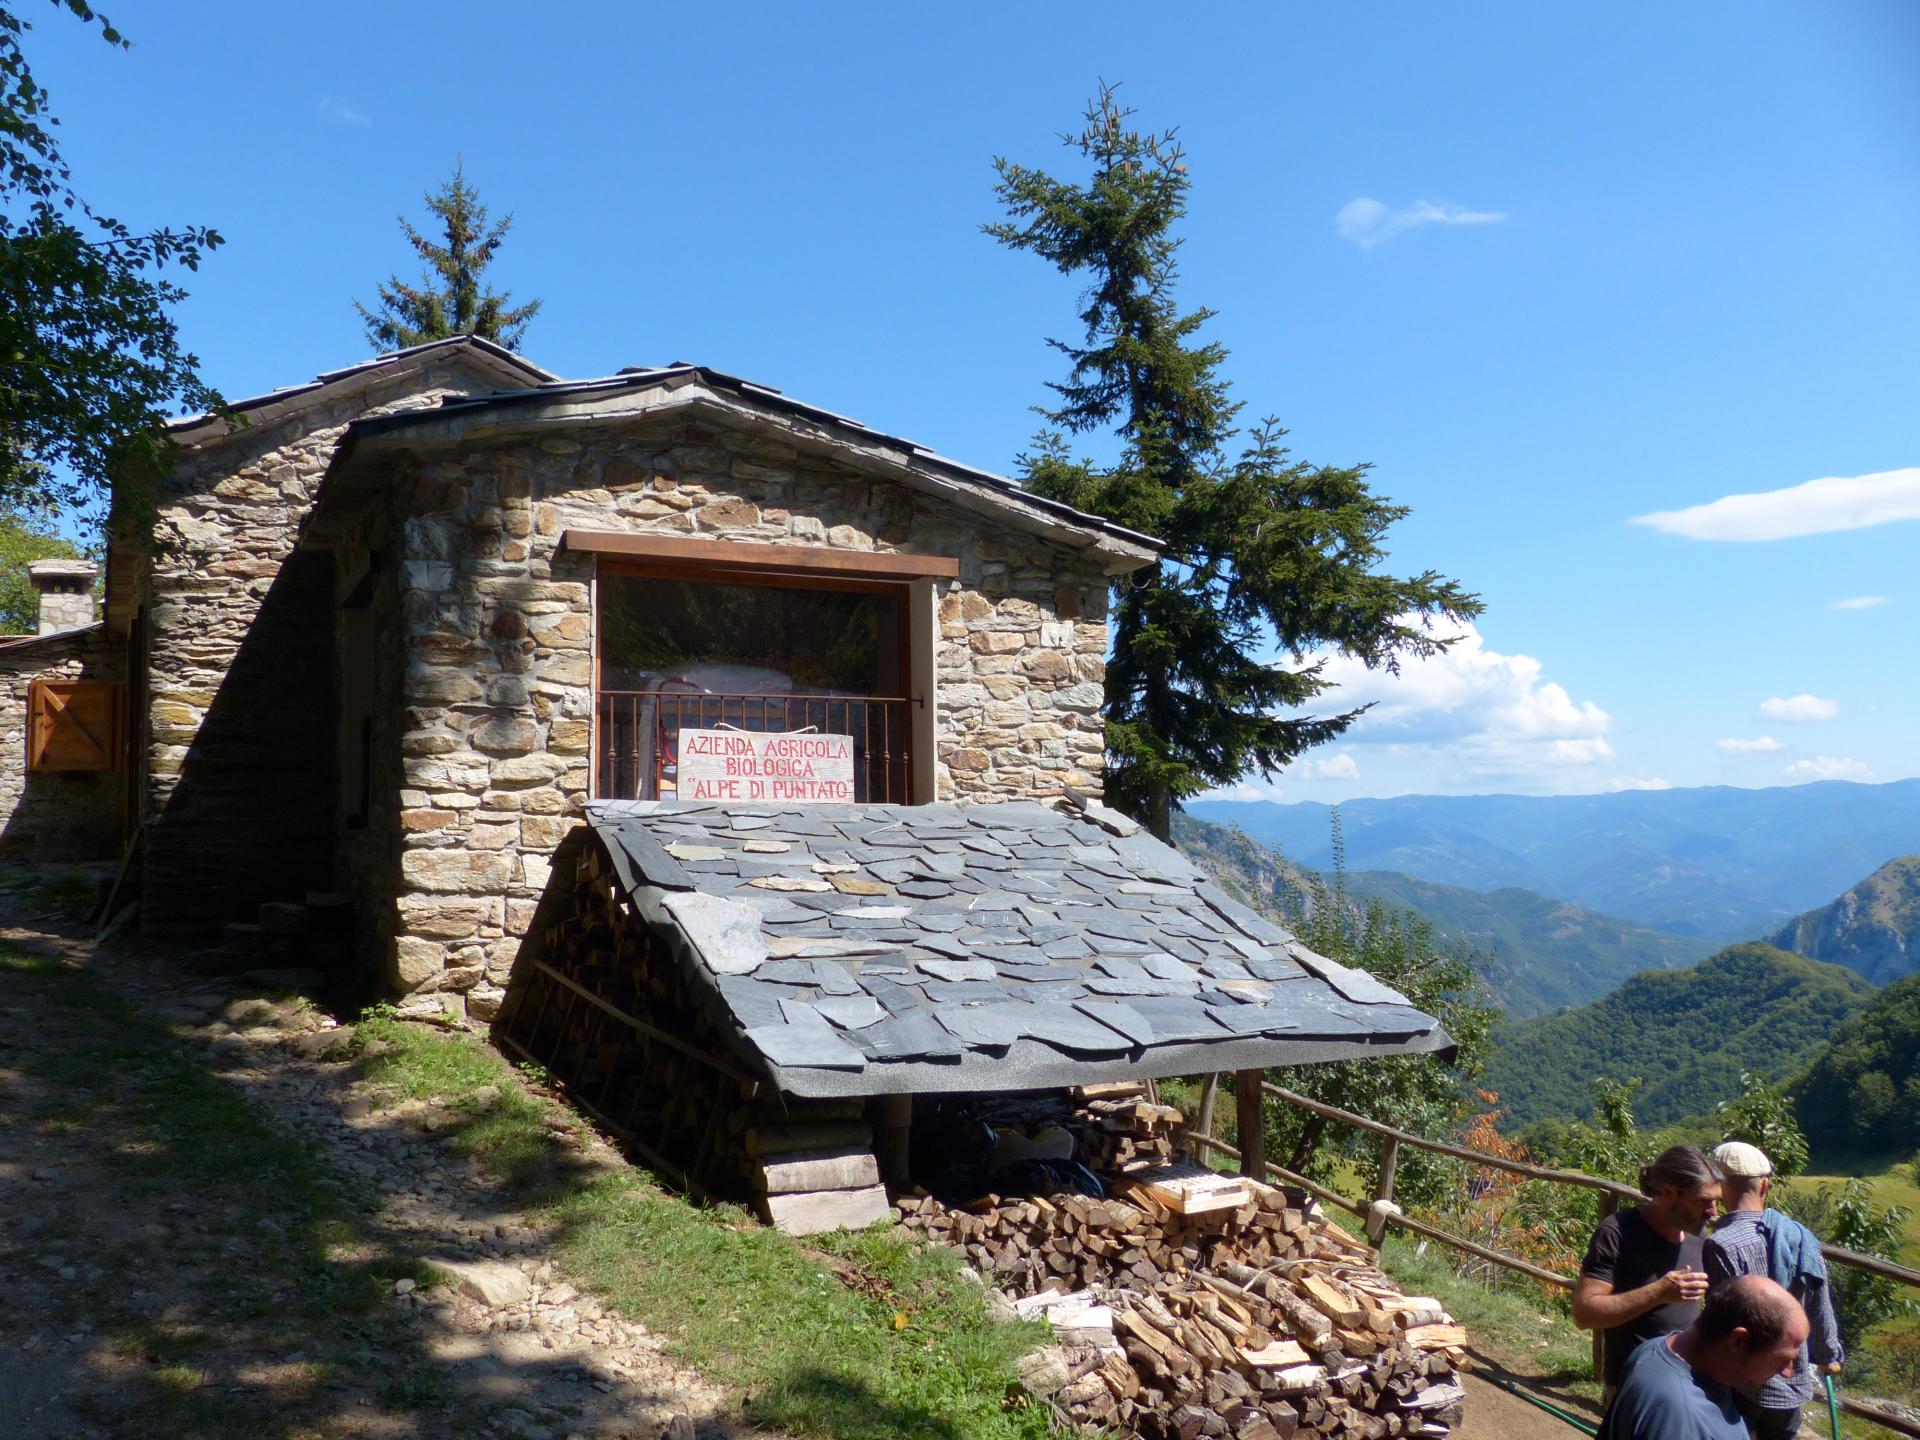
638, 756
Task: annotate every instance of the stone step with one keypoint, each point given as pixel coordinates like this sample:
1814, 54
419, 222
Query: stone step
284, 919
329, 915
240, 938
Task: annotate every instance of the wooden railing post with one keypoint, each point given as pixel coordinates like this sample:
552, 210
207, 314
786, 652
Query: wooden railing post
1383, 1192
1252, 1120
1609, 1203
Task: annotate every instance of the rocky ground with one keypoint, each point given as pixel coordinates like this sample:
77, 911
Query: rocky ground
210, 1225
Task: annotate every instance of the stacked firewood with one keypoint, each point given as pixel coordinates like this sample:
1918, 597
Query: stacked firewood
1123, 1132
1189, 1304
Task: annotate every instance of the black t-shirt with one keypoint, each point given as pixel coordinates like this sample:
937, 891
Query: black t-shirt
1627, 1253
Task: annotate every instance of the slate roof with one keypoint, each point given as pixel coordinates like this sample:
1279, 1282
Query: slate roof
887, 949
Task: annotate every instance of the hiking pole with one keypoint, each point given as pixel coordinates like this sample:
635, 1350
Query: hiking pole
1833, 1409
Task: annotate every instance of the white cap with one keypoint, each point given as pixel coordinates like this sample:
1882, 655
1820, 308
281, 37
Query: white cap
1736, 1157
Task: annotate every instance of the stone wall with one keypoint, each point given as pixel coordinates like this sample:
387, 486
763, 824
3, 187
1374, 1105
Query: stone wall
497, 672
242, 731
54, 815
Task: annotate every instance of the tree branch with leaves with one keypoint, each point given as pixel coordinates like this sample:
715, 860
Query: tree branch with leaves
91, 364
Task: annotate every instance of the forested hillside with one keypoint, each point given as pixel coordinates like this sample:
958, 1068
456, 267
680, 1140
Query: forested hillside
1862, 1095
1874, 928
1716, 861
1534, 954
1686, 1034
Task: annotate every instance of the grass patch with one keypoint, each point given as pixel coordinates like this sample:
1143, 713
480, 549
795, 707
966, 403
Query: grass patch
869, 1336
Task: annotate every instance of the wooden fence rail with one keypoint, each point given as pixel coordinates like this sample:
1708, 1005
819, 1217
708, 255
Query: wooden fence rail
1250, 1083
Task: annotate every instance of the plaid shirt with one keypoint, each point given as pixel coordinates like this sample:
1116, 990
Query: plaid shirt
1738, 1246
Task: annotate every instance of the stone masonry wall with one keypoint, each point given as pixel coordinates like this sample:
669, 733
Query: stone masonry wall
241, 736
54, 816
498, 670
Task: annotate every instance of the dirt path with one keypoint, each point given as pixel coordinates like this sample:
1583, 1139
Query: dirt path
206, 1229
1494, 1414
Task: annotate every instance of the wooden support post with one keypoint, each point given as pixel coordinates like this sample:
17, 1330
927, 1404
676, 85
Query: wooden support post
1252, 1123
893, 1136
1608, 1204
1209, 1092
1383, 1192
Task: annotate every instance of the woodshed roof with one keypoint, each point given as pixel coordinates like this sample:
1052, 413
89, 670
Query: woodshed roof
886, 949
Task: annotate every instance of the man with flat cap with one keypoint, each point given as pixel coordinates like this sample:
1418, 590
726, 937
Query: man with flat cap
1681, 1386
1754, 1239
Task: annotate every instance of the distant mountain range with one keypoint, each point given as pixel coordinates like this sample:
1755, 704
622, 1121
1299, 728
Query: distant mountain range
1719, 863
1685, 1034
1535, 954
1874, 928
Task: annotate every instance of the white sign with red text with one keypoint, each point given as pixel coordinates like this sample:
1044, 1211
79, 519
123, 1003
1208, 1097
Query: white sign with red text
744, 766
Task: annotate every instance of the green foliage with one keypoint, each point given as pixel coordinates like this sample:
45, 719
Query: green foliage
452, 297
1862, 1094
1848, 1217
27, 534
1689, 1035
1417, 1093
90, 361
1264, 554
1763, 1115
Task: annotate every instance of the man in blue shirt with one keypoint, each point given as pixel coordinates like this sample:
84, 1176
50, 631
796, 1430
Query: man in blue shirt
1680, 1387
1756, 1240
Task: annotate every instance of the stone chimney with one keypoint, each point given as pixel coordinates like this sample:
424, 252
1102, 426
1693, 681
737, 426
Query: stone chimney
66, 593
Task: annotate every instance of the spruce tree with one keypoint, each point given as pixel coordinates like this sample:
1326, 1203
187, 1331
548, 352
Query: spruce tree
1270, 562
450, 298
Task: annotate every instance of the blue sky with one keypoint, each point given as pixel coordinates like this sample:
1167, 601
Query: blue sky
1548, 270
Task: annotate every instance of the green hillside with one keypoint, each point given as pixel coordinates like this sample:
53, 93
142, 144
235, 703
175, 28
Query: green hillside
1862, 1094
1534, 954
1874, 928
1685, 1034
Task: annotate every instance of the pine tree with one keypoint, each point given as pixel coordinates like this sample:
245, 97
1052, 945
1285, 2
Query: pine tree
449, 300
1265, 555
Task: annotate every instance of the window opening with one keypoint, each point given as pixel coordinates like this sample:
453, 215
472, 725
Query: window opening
755, 655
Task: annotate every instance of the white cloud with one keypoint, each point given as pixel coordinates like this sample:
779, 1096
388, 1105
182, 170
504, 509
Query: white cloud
1826, 767
1651, 782
1858, 602
1368, 222
1325, 767
334, 108
1799, 709
1837, 502
1472, 715
1764, 745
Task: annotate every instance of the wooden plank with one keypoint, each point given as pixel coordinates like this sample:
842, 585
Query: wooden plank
1189, 1189
826, 1135
819, 1210
746, 555
800, 1171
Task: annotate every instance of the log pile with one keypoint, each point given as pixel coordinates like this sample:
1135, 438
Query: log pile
1189, 1304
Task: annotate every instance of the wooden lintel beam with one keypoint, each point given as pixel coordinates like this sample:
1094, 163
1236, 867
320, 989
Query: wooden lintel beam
747, 555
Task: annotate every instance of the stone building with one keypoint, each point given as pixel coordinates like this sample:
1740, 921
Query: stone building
662, 711
398, 629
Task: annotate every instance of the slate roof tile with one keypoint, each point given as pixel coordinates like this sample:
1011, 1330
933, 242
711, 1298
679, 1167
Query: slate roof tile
981, 947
